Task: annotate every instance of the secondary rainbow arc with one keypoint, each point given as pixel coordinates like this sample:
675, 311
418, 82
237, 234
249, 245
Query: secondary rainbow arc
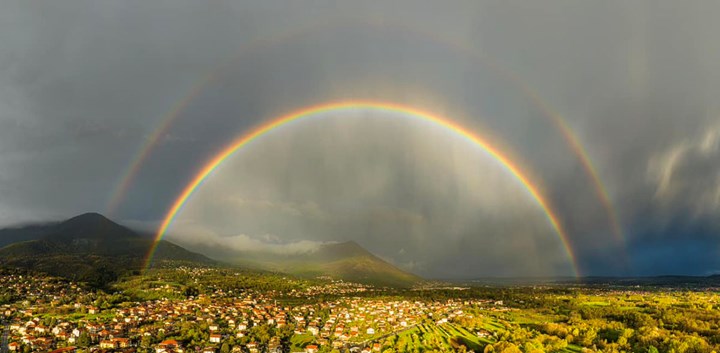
522, 176
124, 183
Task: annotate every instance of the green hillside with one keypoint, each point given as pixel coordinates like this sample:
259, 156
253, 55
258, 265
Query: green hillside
347, 261
93, 249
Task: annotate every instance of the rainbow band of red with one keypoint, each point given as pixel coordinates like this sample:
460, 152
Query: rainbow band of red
521, 176
572, 141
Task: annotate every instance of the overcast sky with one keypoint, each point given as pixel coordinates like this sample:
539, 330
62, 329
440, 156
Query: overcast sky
85, 84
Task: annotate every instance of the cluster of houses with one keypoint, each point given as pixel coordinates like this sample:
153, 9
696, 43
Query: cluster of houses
332, 287
355, 323
38, 291
36, 336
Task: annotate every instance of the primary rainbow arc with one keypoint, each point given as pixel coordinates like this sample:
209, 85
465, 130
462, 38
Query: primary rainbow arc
520, 175
126, 179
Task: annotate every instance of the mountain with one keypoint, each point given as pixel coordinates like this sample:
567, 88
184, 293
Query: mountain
88, 248
662, 281
347, 261
94, 249
24, 233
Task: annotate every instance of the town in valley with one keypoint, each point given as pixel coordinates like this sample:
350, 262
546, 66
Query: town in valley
216, 310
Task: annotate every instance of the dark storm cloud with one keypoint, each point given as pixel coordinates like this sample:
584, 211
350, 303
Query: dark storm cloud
84, 85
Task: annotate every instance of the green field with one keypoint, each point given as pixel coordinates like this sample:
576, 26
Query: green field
298, 342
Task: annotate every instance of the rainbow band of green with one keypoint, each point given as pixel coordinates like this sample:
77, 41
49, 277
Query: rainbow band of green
521, 176
144, 152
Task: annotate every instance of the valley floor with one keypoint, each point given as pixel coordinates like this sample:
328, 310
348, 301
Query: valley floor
212, 310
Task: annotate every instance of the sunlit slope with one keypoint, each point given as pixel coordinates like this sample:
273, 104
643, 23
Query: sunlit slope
347, 261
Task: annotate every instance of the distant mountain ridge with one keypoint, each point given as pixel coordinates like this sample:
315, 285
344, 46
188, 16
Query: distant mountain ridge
347, 261
92, 248
25, 232
671, 281
88, 247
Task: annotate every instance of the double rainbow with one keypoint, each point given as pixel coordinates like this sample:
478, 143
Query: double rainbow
124, 184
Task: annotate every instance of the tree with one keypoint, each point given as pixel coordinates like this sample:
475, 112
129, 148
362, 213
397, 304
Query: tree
262, 334
84, 339
191, 291
506, 347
